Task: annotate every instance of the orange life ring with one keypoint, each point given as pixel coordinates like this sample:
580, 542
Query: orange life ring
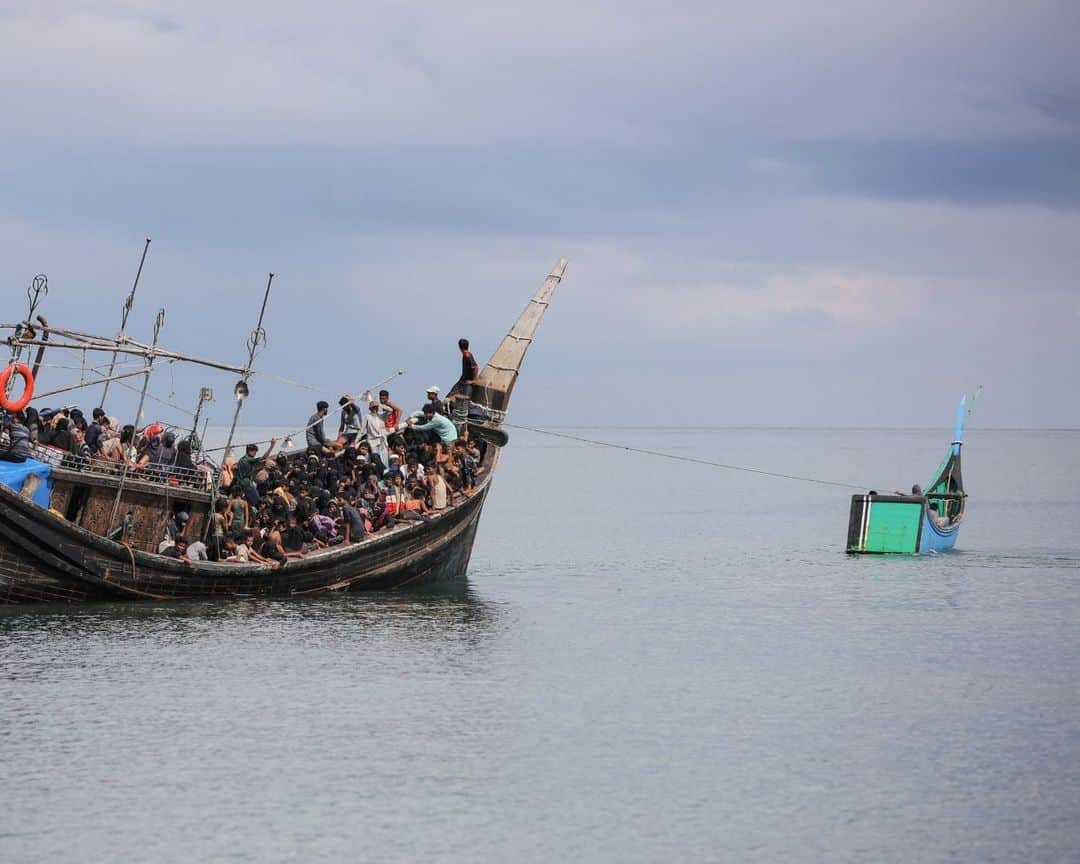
24, 372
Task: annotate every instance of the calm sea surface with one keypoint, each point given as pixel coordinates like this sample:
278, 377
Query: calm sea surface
648, 661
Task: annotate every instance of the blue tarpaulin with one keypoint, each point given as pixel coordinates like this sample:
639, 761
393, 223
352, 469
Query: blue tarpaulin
14, 474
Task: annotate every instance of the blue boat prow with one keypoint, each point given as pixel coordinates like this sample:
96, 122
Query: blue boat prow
958, 435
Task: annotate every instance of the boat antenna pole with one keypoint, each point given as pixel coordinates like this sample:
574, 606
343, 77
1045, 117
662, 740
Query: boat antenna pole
256, 340
128, 303
39, 286
205, 395
159, 322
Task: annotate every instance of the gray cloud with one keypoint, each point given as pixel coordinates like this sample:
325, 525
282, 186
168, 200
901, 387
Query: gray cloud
774, 214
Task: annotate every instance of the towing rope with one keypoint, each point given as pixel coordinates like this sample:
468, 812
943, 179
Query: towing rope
693, 459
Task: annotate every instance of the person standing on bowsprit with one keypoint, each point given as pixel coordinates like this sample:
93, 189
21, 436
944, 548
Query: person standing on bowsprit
469, 371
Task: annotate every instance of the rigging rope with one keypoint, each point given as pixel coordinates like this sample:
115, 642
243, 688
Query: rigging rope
692, 459
151, 396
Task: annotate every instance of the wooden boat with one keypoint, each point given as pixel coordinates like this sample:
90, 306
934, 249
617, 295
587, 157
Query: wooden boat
920, 522
62, 552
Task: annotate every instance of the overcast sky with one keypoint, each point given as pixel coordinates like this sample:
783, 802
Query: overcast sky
775, 213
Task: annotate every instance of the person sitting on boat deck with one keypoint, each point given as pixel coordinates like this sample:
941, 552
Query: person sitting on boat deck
18, 438
78, 420
939, 520
322, 526
442, 429
333, 511
115, 447
317, 442
160, 453
437, 489
349, 422
79, 448
33, 423
272, 547
110, 431
58, 434
395, 468
197, 551
236, 551
396, 496
413, 468
188, 473
94, 430
354, 522
248, 465
382, 516
416, 507
178, 549
473, 449
466, 465
292, 538
253, 539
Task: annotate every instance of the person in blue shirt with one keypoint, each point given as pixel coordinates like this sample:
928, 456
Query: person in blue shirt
439, 424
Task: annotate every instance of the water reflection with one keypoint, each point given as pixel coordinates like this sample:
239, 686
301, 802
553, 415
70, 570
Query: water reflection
451, 612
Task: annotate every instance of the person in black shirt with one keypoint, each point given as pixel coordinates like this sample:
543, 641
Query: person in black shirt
18, 438
353, 521
94, 430
177, 550
292, 538
464, 386
469, 367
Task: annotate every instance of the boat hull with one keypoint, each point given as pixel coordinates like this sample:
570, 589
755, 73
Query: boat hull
896, 524
45, 559
933, 538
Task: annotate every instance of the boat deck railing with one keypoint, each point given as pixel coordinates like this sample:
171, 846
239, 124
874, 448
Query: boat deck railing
162, 475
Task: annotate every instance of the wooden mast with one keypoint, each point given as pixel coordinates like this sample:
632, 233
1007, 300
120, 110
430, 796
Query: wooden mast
496, 380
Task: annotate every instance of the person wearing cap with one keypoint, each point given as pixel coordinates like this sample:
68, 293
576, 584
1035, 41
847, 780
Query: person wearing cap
441, 426
395, 467
433, 399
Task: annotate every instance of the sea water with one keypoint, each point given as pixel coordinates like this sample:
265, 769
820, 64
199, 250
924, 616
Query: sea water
650, 660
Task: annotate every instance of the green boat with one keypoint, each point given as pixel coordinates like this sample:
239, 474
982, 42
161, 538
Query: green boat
920, 522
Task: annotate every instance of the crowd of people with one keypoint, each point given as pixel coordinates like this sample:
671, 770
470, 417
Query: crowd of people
75, 442
381, 468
